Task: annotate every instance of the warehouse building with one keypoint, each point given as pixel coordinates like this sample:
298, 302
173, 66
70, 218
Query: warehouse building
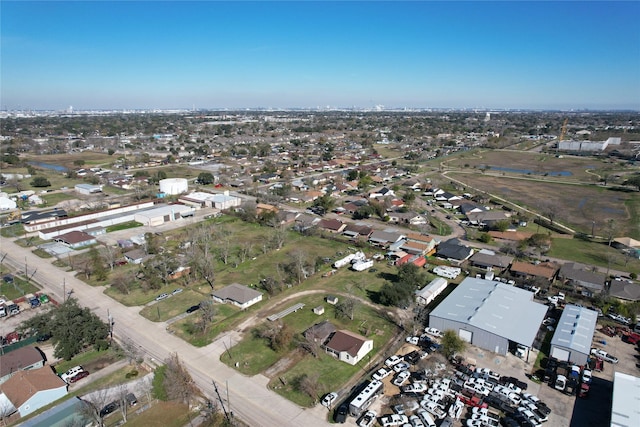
574, 333
490, 315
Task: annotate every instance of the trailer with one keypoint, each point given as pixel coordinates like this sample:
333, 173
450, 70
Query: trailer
349, 259
362, 265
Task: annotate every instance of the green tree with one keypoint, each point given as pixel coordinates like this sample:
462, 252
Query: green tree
72, 328
635, 181
40, 181
205, 178
452, 343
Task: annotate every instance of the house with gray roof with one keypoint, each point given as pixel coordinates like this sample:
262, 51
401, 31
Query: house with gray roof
238, 295
625, 290
385, 238
582, 278
489, 259
490, 315
572, 339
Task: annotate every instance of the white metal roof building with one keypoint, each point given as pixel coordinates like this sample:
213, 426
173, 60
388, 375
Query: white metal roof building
574, 334
625, 411
490, 314
162, 213
431, 291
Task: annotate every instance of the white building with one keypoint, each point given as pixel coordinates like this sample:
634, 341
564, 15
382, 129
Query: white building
238, 295
174, 186
88, 189
427, 294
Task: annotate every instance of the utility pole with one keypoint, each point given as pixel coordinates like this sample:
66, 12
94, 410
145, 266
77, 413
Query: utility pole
226, 414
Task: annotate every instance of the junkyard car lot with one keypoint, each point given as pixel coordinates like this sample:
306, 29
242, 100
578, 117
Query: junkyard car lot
10, 323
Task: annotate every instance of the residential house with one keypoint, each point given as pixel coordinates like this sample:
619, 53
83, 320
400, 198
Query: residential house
263, 207
320, 332
136, 256
582, 278
20, 359
414, 248
332, 225
525, 270
409, 218
490, 260
76, 239
28, 391
454, 250
487, 218
238, 295
348, 347
384, 239
424, 239
355, 231
625, 290
471, 207
383, 192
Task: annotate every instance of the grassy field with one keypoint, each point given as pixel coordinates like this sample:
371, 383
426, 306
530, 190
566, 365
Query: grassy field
161, 414
18, 288
227, 316
592, 253
172, 306
524, 163
577, 206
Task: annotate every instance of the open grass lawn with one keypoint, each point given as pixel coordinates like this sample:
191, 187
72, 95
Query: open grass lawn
592, 253
138, 296
18, 288
53, 199
577, 206
227, 316
331, 372
161, 414
123, 226
172, 306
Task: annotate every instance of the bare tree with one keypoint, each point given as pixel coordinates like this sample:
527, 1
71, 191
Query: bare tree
121, 396
278, 237
207, 314
92, 405
308, 384
244, 251
6, 409
178, 382
310, 342
145, 386
551, 210
131, 350
122, 281
224, 248
347, 307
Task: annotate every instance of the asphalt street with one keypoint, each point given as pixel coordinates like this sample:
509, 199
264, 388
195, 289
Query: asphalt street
248, 397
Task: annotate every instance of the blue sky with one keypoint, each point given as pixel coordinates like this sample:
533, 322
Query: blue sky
210, 54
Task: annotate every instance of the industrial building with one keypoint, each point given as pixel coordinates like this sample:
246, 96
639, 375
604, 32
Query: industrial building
174, 186
490, 315
574, 334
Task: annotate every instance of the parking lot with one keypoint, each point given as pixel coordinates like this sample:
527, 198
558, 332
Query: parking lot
10, 323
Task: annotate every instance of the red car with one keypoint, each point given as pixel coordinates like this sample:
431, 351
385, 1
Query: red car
80, 375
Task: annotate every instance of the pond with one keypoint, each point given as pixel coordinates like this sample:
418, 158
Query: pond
530, 172
49, 166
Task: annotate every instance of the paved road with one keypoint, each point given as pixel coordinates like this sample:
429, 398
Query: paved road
249, 397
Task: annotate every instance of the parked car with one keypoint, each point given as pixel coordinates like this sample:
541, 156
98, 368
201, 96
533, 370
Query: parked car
109, 408
394, 420
131, 399
34, 302
329, 399
161, 297
340, 415
193, 308
77, 377
434, 332
71, 373
368, 419
381, 374
13, 309
604, 355
177, 291
393, 360
401, 378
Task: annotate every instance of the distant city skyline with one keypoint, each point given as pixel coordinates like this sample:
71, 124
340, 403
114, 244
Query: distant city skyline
418, 54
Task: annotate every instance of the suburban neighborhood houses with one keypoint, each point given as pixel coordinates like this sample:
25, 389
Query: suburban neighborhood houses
344, 267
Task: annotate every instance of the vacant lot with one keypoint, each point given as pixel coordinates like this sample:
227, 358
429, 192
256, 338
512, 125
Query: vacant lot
532, 164
577, 206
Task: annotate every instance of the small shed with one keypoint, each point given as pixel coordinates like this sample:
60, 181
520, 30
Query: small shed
331, 299
319, 310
